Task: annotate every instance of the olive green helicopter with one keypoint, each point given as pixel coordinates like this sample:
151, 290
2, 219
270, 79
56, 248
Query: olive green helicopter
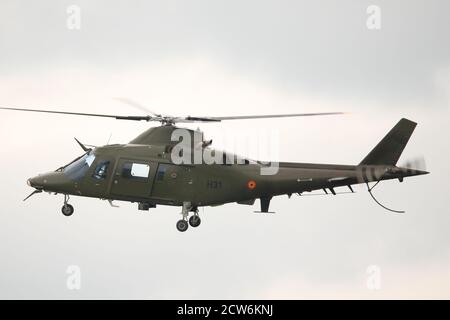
148, 170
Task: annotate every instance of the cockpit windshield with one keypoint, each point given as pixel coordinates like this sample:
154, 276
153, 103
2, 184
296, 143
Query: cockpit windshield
78, 168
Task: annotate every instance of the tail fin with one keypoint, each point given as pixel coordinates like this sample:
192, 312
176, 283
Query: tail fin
388, 150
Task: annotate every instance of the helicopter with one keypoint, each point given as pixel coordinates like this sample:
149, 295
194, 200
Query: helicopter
148, 170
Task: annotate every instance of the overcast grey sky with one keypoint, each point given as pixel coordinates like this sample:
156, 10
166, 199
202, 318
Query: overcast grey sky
225, 58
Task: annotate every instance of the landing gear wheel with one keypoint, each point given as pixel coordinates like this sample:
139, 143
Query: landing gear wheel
67, 210
182, 225
195, 221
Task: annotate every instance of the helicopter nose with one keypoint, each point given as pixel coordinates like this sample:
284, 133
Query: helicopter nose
52, 181
36, 182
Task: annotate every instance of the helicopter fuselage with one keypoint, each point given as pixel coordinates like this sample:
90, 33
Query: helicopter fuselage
147, 171
145, 174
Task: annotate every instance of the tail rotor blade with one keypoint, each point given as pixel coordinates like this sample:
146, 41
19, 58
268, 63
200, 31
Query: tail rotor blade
417, 163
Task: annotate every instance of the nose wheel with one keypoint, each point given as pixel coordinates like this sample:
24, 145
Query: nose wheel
67, 209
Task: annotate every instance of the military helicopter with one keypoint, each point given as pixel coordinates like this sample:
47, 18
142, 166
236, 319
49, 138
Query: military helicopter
145, 172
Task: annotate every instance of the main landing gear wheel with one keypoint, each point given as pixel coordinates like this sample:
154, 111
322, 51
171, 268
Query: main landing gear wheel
67, 210
182, 225
195, 221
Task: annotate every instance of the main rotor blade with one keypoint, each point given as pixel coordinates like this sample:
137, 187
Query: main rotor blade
136, 118
172, 120
137, 105
190, 119
268, 116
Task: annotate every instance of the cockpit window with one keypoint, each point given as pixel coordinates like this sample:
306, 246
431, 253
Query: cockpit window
78, 168
89, 159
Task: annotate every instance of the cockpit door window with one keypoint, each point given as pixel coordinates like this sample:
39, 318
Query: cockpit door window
132, 170
101, 170
162, 168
